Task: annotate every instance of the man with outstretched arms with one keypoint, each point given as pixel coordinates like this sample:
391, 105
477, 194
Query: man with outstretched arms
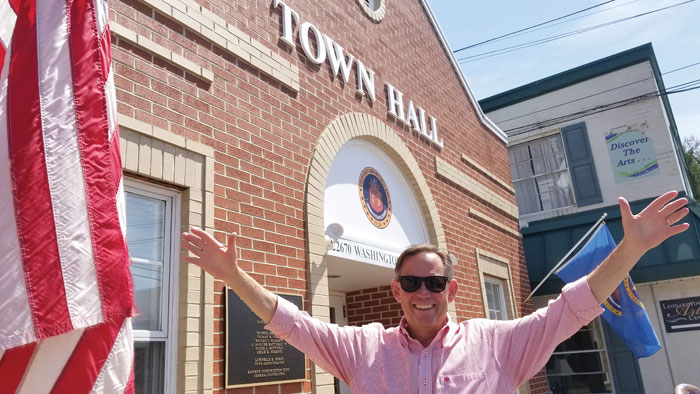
428, 352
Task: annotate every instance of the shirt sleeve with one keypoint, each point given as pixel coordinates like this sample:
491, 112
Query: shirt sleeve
523, 346
333, 348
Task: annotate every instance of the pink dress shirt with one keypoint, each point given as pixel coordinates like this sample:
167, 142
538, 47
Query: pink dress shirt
475, 356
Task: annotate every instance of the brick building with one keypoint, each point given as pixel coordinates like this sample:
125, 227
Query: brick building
266, 118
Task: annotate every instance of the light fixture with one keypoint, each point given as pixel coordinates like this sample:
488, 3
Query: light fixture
333, 233
561, 367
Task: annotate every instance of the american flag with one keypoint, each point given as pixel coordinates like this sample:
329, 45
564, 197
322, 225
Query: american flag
66, 294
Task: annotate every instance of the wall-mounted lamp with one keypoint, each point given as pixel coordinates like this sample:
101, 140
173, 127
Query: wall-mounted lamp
333, 233
453, 259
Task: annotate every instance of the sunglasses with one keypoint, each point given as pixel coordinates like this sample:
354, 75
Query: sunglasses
410, 283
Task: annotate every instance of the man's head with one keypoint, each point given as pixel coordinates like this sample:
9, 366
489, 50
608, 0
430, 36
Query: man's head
424, 305
424, 248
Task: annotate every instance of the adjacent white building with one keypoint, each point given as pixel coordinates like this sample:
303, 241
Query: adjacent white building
576, 141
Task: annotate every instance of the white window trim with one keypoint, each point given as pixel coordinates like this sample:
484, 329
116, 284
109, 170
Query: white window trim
493, 266
373, 9
602, 350
501, 296
535, 138
171, 271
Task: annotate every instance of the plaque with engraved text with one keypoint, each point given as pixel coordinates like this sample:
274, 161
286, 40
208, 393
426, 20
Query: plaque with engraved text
255, 356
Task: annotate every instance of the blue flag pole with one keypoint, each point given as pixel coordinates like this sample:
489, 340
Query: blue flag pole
566, 256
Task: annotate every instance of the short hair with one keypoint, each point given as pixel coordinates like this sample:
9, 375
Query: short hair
425, 248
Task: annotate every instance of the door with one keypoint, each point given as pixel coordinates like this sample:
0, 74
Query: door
625, 368
339, 317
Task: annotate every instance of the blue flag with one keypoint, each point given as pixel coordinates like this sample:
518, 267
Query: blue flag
623, 310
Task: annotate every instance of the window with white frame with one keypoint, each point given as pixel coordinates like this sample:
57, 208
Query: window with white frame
540, 175
496, 286
152, 239
580, 364
495, 298
374, 9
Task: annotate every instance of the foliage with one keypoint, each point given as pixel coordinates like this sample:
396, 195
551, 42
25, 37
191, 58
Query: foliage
691, 153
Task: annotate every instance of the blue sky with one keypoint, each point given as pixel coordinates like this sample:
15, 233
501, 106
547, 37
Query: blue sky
674, 33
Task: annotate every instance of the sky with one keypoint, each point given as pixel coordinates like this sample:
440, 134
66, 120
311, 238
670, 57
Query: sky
674, 34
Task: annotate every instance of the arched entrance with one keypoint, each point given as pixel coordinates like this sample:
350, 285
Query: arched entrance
343, 164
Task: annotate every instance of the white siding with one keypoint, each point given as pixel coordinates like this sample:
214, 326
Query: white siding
678, 357
648, 116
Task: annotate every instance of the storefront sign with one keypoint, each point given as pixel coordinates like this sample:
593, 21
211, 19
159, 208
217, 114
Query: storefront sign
631, 155
682, 314
365, 253
255, 356
322, 48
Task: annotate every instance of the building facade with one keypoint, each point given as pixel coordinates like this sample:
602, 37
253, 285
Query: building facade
576, 141
329, 136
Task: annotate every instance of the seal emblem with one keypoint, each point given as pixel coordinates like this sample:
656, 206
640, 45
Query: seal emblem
374, 197
614, 302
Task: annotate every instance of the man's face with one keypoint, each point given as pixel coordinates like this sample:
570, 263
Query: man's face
425, 311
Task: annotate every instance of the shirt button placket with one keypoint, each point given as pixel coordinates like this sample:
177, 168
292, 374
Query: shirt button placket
425, 372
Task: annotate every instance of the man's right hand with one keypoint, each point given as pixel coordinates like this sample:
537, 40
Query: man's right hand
210, 255
220, 262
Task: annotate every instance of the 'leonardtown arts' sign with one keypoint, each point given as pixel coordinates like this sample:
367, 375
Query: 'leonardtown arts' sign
682, 314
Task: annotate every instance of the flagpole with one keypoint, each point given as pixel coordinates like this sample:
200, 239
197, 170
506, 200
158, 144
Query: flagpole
596, 224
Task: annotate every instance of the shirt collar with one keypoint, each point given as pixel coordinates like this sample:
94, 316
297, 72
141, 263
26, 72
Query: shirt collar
446, 332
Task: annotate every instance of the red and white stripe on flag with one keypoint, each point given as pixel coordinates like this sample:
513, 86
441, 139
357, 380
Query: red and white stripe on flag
66, 293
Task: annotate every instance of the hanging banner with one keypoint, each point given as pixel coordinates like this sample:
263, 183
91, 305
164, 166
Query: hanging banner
631, 155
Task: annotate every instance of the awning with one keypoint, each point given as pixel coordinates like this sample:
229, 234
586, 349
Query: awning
547, 241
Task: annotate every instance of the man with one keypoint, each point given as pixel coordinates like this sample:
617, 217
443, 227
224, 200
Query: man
428, 352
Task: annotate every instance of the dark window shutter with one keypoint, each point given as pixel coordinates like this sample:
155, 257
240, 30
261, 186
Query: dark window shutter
581, 166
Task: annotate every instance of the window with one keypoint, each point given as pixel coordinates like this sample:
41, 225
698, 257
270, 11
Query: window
580, 364
495, 299
372, 4
151, 236
374, 9
496, 286
540, 175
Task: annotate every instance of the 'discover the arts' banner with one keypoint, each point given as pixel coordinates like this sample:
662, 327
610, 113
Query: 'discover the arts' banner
631, 155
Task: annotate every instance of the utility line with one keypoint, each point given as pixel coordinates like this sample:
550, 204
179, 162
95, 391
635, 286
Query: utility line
484, 55
530, 27
684, 87
578, 115
681, 68
596, 94
575, 100
591, 111
562, 22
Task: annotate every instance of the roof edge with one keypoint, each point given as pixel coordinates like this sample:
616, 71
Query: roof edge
570, 77
482, 116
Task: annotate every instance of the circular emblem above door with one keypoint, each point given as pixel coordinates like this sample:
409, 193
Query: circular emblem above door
374, 197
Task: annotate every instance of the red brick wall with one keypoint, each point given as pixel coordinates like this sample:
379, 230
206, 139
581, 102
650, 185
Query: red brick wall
264, 134
373, 305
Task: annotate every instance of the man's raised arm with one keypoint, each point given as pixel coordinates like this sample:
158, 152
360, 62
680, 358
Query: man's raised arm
220, 261
643, 232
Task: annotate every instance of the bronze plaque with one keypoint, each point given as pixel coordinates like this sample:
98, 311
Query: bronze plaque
255, 356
